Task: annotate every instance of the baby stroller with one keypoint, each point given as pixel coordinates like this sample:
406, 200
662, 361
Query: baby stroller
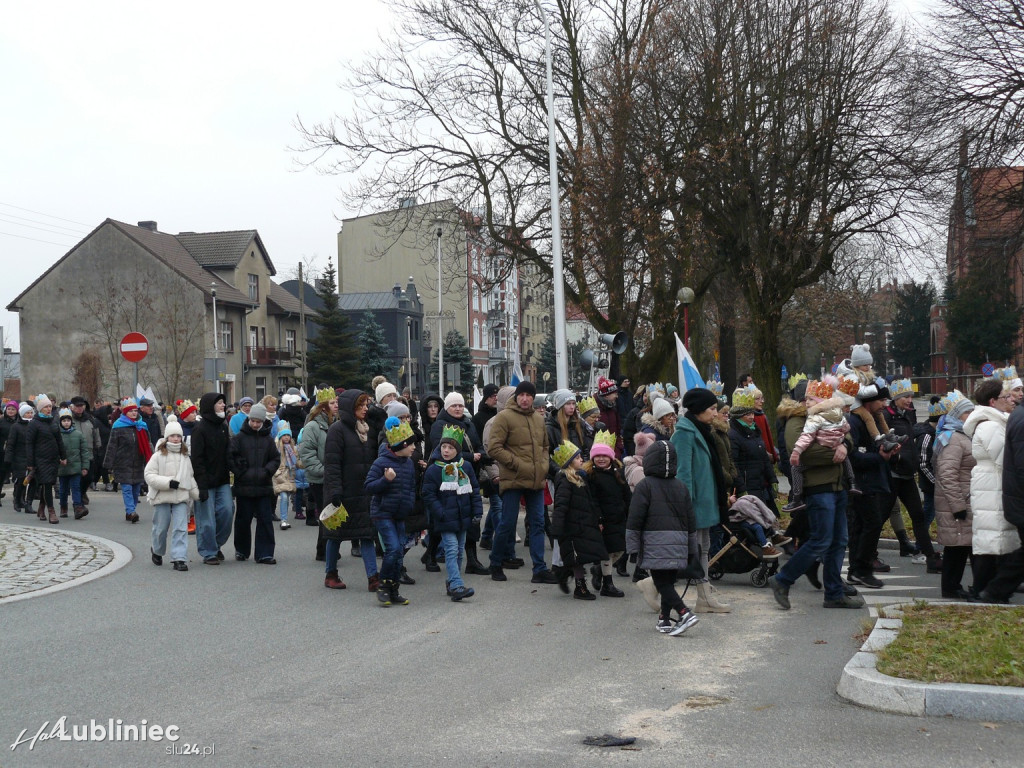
740, 553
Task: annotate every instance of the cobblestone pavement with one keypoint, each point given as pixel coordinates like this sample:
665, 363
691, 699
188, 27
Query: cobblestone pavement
33, 559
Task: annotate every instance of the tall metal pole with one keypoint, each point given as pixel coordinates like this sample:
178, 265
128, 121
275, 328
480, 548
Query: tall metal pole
440, 320
561, 343
216, 349
408, 353
302, 328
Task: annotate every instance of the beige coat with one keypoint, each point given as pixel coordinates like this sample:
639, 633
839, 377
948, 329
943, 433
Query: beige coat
518, 442
953, 491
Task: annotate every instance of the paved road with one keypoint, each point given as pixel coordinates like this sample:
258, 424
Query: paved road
269, 668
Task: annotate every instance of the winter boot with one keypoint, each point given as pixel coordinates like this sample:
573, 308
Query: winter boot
383, 594
608, 588
639, 574
473, 564
620, 566
63, 510
562, 574
53, 515
396, 598
595, 576
581, 592
333, 581
907, 547
707, 602
41, 511
373, 583
429, 557
405, 578
80, 511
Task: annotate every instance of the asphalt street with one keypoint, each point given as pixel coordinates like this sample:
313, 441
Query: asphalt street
266, 667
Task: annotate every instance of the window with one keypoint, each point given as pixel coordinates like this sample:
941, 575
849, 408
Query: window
227, 336
261, 387
282, 383
254, 287
253, 336
289, 342
476, 335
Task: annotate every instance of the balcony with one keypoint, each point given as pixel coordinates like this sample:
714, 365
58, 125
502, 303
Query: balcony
497, 355
495, 318
270, 356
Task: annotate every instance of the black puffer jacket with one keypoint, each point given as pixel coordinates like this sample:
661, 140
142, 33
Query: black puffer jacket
210, 443
754, 474
483, 414
906, 461
575, 523
254, 458
122, 457
1013, 468
15, 449
44, 449
611, 494
576, 437
661, 526
347, 462
6, 425
295, 415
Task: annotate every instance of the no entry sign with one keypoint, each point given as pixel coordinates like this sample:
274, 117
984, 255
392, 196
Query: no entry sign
134, 347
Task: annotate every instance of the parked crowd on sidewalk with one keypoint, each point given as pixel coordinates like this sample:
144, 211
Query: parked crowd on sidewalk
678, 488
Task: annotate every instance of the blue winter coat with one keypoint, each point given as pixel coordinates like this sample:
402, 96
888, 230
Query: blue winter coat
450, 511
694, 469
392, 499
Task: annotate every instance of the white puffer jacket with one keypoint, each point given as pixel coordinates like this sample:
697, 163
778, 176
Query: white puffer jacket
164, 467
991, 534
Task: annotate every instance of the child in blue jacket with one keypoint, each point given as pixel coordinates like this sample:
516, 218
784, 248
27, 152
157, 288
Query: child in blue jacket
451, 495
391, 483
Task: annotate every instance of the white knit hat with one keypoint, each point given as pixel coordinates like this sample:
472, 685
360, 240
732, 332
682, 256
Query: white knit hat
383, 390
662, 408
452, 398
173, 426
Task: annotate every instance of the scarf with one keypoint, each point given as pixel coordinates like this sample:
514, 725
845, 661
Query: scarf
289, 455
362, 429
945, 434
454, 477
141, 435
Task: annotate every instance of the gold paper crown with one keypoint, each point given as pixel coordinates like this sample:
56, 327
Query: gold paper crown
184, 405
397, 433
819, 389
849, 386
451, 432
565, 453
716, 387
900, 388
1005, 375
587, 404
743, 398
325, 395
796, 378
606, 437
951, 400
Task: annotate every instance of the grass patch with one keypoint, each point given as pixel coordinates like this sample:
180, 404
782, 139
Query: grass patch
958, 644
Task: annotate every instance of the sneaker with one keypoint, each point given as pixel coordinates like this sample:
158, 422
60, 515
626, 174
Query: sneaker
267, 561
220, 555
212, 560
849, 590
780, 592
794, 506
544, 577
844, 602
157, 559
461, 593
867, 580
919, 559
878, 566
180, 565
665, 625
686, 621
285, 525
770, 553
240, 557
511, 563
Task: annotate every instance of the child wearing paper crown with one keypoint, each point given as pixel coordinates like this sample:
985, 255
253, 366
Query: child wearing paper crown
575, 522
825, 426
611, 494
391, 483
869, 388
451, 495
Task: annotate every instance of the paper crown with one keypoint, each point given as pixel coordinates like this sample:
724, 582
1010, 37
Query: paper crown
796, 378
398, 432
655, 389
451, 432
587, 404
821, 390
324, 395
744, 398
901, 388
849, 385
65, 413
128, 402
938, 408
565, 453
605, 438
1005, 374
951, 401
186, 408
717, 387
332, 518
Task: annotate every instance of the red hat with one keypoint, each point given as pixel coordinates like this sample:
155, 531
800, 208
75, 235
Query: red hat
606, 386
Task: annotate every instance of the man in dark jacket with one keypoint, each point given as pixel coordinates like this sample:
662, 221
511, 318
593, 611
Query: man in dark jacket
209, 452
254, 458
1011, 566
156, 430
487, 409
89, 426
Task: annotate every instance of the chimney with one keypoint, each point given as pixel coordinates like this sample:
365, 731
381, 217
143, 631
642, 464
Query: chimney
150, 225
397, 291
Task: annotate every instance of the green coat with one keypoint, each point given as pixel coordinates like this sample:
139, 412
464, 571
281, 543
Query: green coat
312, 447
693, 468
78, 450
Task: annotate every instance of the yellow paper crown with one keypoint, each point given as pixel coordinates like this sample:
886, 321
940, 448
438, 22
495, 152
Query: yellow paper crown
819, 389
743, 398
325, 395
796, 378
606, 437
565, 454
587, 404
716, 387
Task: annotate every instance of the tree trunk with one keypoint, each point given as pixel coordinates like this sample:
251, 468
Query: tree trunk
767, 363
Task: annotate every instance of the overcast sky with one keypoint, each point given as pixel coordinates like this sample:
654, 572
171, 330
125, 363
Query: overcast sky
180, 113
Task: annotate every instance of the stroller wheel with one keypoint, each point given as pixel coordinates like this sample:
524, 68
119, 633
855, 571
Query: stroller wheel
715, 573
759, 576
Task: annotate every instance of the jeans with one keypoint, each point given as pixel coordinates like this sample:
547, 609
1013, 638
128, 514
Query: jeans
72, 483
260, 509
130, 494
392, 539
757, 530
283, 501
866, 518
503, 545
213, 521
493, 516
826, 517
175, 518
332, 553
454, 545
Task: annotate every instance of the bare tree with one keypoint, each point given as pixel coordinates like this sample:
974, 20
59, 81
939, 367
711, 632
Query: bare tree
87, 374
126, 305
176, 340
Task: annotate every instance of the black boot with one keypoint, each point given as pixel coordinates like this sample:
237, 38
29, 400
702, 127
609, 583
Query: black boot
429, 557
595, 576
608, 588
473, 564
639, 574
582, 593
405, 578
562, 574
620, 566
907, 547
396, 599
812, 575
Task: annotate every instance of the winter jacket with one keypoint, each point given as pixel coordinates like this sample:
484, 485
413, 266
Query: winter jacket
786, 408
471, 442
313, 445
953, 491
612, 420
821, 473
347, 462
869, 468
209, 446
16, 449
1013, 468
295, 415
761, 422
754, 473
720, 433
164, 466
695, 471
89, 426
483, 414
155, 426
631, 425
449, 511
254, 459
391, 499
652, 426
284, 478
77, 450
907, 460
992, 534
575, 523
427, 423
611, 495
44, 448
6, 425
661, 526
924, 440
519, 444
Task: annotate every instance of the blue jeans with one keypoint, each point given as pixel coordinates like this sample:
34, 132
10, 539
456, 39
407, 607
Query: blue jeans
392, 538
283, 500
213, 520
175, 518
493, 516
454, 545
503, 546
72, 483
332, 553
757, 530
826, 516
130, 494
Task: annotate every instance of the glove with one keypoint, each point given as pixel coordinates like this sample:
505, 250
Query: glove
174, 484
336, 500
961, 515
204, 495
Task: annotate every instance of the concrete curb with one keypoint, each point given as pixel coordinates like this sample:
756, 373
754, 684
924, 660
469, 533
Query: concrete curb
862, 684
122, 556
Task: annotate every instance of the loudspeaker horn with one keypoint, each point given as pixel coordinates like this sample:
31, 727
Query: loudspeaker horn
587, 359
617, 342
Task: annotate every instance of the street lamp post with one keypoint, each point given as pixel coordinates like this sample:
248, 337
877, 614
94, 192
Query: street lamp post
440, 322
408, 352
216, 350
685, 297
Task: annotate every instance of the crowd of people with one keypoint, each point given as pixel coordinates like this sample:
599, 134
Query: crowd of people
648, 479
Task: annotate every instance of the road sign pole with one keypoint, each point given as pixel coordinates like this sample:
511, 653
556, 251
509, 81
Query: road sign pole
134, 391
